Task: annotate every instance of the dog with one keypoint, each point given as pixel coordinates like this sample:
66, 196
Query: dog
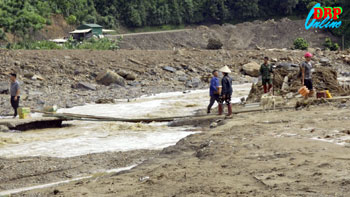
267, 102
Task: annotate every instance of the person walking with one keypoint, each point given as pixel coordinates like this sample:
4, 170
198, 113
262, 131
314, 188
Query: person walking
215, 91
265, 72
14, 91
227, 91
306, 74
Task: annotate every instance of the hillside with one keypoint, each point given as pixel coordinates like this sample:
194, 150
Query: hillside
248, 35
23, 19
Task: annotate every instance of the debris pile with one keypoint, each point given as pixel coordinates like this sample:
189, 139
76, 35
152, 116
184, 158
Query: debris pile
286, 81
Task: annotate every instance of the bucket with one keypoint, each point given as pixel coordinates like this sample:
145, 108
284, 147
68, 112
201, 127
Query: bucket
23, 112
304, 91
328, 94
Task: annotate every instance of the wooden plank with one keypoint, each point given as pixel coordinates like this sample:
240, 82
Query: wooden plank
338, 98
83, 117
104, 118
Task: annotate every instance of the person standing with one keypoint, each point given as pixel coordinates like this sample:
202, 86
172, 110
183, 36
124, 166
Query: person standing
14, 91
306, 74
226, 92
215, 91
265, 72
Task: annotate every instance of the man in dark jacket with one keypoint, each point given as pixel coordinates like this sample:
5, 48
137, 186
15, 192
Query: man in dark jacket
14, 91
265, 72
215, 90
226, 92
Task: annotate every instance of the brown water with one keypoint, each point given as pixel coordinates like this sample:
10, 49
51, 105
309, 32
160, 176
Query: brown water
93, 137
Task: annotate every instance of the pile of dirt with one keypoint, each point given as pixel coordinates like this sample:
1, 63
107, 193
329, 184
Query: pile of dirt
324, 78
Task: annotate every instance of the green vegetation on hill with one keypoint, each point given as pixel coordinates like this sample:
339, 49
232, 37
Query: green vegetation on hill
23, 17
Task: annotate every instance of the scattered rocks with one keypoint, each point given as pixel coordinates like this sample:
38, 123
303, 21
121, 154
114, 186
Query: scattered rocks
28, 75
182, 78
169, 68
213, 125
38, 77
130, 77
105, 101
325, 61
4, 128
288, 66
84, 86
252, 69
290, 95
285, 85
109, 77
17, 63
122, 73
126, 75
194, 83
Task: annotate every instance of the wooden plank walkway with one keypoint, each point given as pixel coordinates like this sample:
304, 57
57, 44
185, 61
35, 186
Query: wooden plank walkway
33, 123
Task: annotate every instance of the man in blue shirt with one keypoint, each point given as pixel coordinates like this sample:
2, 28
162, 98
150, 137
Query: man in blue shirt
215, 91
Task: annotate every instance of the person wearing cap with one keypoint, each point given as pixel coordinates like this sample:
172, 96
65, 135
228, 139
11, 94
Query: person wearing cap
226, 92
265, 72
14, 91
306, 73
215, 90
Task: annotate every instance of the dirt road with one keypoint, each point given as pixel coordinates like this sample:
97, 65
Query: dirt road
258, 154
146, 33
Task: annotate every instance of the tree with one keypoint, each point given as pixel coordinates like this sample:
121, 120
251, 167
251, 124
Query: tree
72, 20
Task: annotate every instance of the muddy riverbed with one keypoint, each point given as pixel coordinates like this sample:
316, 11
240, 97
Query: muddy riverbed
84, 149
281, 153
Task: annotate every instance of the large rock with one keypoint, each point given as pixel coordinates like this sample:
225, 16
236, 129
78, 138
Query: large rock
4, 128
325, 61
130, 77
109, 77
194, 83
4, 88
252, 69
288, 66
169, 68
105, 101
28, 75
122, 73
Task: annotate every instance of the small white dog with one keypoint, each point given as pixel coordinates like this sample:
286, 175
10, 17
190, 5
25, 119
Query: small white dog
268, 101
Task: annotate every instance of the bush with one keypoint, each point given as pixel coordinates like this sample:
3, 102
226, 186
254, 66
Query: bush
300, 43
92, 44
214, 44
71, 20
31, 45
330, 45
2, 35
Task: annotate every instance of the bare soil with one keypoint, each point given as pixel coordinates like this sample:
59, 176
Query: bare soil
256, 154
